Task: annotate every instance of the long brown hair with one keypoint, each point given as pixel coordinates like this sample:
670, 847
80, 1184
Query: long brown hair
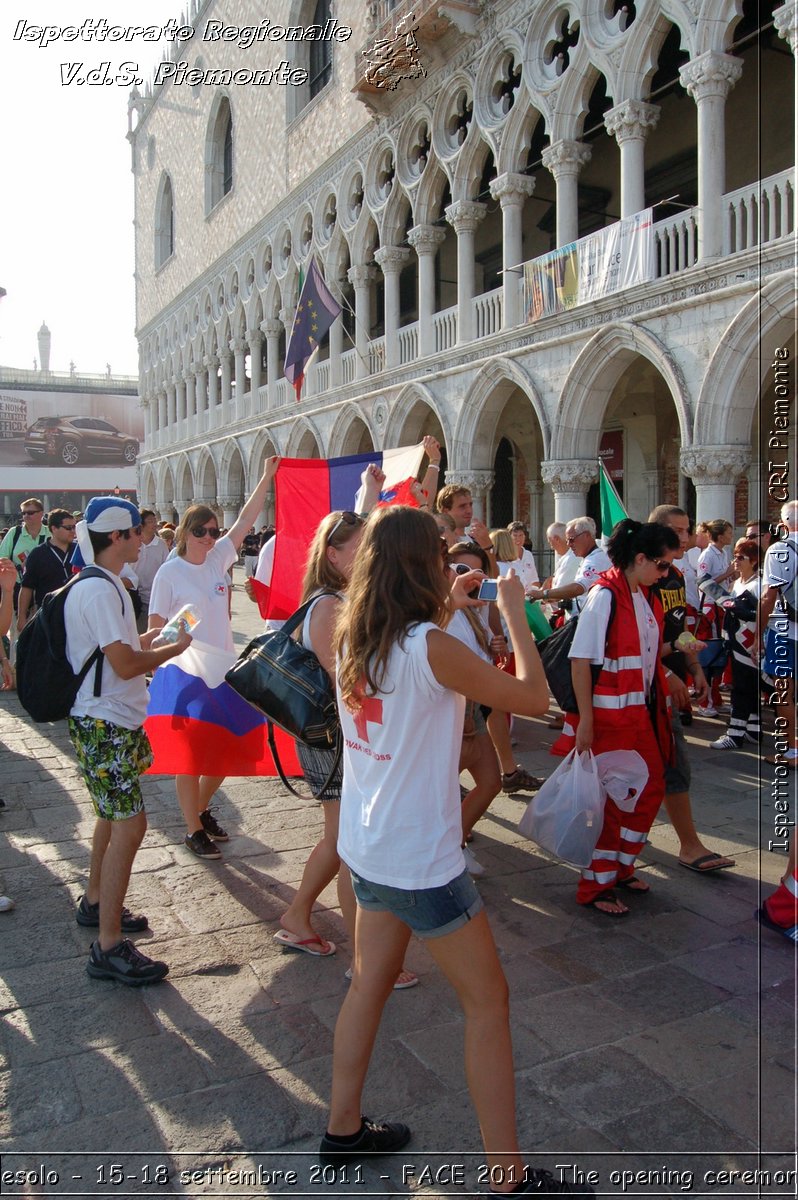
397, 582
194, 516
320, 572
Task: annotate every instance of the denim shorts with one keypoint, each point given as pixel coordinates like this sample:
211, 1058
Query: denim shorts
430, 912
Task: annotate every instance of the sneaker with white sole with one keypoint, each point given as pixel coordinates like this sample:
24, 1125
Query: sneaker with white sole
472, 866
200, 844
727, 743
212, 826
706, 711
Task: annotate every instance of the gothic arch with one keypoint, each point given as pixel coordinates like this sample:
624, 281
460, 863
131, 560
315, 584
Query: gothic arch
340, 439
474, 438
590, 382
430, 192
265, 446
207, 478
731, 386
404, 426
232, 469
302, 431
148, 489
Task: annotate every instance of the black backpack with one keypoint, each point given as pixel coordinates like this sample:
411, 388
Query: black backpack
46, 684
557, 665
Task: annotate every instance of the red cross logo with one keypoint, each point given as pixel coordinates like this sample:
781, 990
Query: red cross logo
370, 710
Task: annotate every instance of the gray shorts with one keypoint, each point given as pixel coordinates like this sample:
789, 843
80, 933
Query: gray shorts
677, 776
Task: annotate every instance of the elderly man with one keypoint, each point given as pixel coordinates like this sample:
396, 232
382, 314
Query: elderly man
580, 538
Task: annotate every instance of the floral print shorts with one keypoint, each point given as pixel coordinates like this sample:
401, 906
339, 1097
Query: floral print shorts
112, 759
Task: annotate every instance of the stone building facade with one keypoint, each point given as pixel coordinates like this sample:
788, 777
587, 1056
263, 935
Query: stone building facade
532, 124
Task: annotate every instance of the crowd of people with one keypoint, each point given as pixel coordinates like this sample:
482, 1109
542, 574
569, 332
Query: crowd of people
428, 679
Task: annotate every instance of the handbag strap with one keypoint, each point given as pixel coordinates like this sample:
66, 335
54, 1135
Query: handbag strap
273, 747
296, 619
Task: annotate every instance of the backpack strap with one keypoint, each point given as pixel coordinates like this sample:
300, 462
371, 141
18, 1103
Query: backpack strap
97, 657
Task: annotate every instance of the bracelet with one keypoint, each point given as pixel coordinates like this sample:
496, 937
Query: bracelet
434, 466
545, 593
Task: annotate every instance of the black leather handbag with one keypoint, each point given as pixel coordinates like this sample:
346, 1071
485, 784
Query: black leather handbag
287, 683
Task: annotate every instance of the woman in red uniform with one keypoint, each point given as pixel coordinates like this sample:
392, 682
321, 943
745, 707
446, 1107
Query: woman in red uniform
626, 707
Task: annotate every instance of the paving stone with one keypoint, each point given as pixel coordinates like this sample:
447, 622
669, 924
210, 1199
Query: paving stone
659, 994
572, 1021
739, 967
29, 1099
106, 1013
759, 1107
607, 1076
698, 1049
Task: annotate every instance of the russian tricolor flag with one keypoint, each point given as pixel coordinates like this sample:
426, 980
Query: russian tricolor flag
197, 724
306, 490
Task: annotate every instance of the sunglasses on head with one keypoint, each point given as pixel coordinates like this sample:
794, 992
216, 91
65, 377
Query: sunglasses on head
346, 518
211, 531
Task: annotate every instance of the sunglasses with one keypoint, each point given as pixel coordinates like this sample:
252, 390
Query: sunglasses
460, 568
346, 518
31, 512
574, 536
202, 531
66, 528
661, 564
743, 556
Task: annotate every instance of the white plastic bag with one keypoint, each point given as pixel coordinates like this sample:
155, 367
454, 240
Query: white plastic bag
623, 775
565, 816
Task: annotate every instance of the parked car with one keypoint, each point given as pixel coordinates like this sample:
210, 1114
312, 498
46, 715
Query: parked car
71, 440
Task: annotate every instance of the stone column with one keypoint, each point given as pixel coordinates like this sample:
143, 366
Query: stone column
200, 397
191, 408
180, 404
464, 216
255, 339
163, 414
425, 240
653, 482
147, 411
709, 79
171, 403
271, 329
569, 479
565, 160
535, 489
180, 507
231, 506
361, 278
479, 484
226, 361
629, 123
211, 361
511, 190
239, 348
391, 260
715, 471
336, 338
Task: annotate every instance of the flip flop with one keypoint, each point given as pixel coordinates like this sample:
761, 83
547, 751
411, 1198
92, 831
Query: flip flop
629, 885
764, 918
289, 942
696, 864
608, 897
413, 981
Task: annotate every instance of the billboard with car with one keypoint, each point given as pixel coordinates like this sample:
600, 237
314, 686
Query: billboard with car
68, 440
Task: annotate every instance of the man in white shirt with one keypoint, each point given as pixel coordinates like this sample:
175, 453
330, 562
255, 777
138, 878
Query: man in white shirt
580, 538
106, 730
152, 554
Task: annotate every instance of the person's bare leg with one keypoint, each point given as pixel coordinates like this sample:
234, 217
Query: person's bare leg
188, 797
484, 770
380, 943
346, 899
125, 839
320, 869
99, 845
680, 815
208, 787
500, 736
469, 961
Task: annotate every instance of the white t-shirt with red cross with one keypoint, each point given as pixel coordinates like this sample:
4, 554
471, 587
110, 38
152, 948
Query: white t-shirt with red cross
400, 822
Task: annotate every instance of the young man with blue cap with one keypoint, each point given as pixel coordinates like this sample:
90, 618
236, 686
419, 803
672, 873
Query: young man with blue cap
106, 731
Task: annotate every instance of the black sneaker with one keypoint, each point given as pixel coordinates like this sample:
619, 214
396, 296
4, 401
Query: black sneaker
212, 826
124, 963
542, 1183
200, 844
89, 915
385, 1138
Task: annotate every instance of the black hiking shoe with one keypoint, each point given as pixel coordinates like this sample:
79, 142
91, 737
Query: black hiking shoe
200, 844
89, 915
384, 1138
212, 826
124, 963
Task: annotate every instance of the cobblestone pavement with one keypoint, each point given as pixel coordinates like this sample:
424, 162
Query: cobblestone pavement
662, 1044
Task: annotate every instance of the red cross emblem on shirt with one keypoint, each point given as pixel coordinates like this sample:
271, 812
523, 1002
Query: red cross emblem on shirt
370, 710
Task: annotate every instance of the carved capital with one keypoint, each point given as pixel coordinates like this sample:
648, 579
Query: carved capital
254, 337
211, 361
225, 355
786, 21
465, 215
271, 327
569, 474
392, 258
565, 157
180, 507
477, 482
425, 239
231, 503
711, 74
238, 345
631, 120
287, 317
512, 189
361, 276
714, 464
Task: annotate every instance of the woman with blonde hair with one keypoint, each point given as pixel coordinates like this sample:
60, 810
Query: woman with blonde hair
402, 684
330, 562
197, 575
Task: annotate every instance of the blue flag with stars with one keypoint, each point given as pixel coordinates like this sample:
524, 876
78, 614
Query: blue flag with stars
315, 313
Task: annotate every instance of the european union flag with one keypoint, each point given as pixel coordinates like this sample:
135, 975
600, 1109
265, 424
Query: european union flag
315, 313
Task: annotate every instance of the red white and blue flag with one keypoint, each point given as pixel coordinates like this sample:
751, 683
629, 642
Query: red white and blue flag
315, 313
306, 490
197, 724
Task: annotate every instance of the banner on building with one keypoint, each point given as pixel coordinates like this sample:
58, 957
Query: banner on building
604, 262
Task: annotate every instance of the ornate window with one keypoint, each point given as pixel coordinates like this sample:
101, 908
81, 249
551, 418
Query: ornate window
218, 154
164, 222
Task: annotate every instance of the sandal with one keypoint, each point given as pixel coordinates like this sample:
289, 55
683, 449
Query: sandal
633, 884
608, 897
